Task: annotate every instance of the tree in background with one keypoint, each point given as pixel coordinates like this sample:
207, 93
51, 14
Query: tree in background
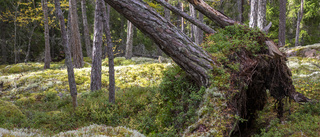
47, 54
129, 43
240, 10
75, 38
67, 51
299, 18
253, 14
97, 51
261, 19
86, 29
106, 21
282, 23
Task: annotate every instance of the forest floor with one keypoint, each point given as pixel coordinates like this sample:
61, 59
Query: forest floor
36, 102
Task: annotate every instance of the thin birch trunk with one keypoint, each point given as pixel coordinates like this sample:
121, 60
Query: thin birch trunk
129, 42
300, 15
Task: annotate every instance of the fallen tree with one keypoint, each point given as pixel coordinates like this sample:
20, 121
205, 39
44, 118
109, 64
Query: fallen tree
237, 74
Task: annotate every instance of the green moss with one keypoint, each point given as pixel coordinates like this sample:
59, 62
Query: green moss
10, 112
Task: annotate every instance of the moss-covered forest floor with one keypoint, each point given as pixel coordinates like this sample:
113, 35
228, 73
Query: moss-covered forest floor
152, 99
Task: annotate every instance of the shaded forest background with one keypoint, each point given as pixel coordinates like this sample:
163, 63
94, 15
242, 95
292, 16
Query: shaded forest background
25, 18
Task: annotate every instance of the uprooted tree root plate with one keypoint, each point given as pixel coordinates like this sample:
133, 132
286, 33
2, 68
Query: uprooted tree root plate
249, 66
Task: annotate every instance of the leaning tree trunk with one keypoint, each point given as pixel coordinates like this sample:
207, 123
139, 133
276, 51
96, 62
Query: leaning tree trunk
47, 56
267, 70
300, 15
96, 53
106, 19
86, 29
67, 51
172, 41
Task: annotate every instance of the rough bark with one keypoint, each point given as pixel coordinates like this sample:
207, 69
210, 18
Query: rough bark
200, 31
106, 15
47, 56
193, 20
29, 43
96, 53
129, 46
253, 13
67, 51
75, 38
172, 41
214, 15
282, 23
300, 15
261, 19
86, 29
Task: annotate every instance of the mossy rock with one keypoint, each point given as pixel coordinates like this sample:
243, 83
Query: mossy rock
304, 51
10, 110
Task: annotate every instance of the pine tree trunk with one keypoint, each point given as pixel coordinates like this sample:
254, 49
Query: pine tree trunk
97, 42
282, 23
86, 29
106, 15
253, 13
261, 20
300, 15
190, 18
67, 51
47, 55
75, 38
129, 42
171, 40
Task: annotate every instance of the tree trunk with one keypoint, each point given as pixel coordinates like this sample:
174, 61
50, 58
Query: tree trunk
67, 51
261, 20
97, 42
106, 15
253, 13
172, 41
240, 10
200, 31
15, 33
75, 38
129, 42
282, 23
199, 64
167, 12
193, 20
182, 19
192, 27
86, 29
214, 15
300, 15
47, 55
29, 43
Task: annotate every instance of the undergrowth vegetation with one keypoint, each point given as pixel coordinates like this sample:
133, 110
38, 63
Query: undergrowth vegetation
155, 99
